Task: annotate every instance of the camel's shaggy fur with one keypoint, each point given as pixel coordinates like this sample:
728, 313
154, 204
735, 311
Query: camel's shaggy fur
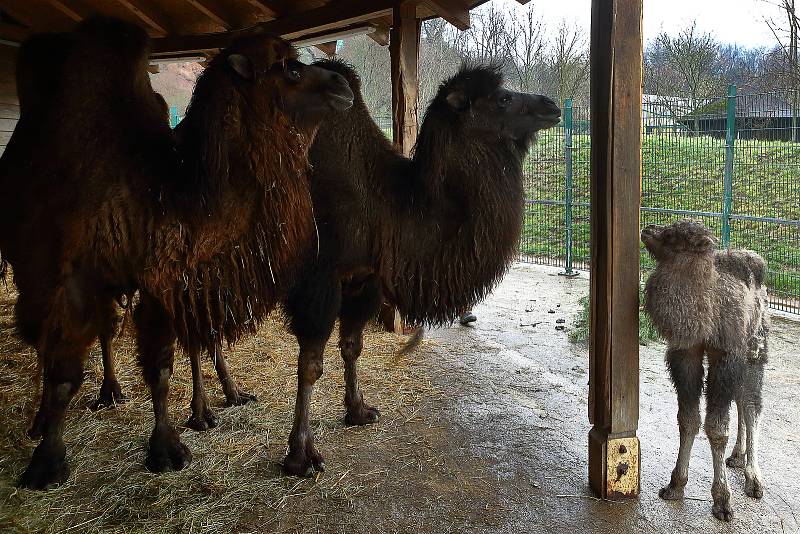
714, 303
117, 206
434, 232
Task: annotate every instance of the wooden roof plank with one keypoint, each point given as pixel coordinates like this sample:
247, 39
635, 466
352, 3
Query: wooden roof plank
330, 16
149, 15
453, 11
213, 11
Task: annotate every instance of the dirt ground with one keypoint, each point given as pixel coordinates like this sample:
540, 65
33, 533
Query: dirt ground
483, 429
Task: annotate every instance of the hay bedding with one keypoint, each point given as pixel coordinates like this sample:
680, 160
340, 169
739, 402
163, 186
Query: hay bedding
234, 482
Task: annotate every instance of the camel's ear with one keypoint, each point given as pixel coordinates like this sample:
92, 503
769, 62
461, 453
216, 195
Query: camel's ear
458, 100
241, 65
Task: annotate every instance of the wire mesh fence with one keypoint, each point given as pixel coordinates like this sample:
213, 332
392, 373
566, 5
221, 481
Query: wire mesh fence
732, 162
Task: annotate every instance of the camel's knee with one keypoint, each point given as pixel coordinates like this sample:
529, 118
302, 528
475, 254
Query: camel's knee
689, 421
716, 429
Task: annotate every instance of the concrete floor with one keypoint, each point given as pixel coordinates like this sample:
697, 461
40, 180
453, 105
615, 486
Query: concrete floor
521, 397
483, 429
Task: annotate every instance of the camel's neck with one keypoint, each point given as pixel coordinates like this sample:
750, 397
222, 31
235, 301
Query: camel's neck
461, 228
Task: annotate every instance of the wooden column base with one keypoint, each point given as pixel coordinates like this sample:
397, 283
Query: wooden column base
614, 465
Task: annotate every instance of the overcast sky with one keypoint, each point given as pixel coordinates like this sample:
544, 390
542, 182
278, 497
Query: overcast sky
731, 21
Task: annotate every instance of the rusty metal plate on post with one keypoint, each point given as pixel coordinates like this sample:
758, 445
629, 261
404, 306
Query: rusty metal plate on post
622, 465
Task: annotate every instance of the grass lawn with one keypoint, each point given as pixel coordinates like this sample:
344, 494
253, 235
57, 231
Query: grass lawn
679, 173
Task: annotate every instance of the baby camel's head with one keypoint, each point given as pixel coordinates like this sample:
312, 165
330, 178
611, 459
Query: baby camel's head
683, 237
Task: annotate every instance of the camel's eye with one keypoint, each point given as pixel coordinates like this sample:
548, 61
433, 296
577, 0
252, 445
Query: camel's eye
293, 72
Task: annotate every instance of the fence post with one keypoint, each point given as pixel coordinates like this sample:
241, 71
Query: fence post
727, 180
568, 187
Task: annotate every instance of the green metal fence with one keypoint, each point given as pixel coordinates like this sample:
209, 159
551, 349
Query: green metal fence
732, 162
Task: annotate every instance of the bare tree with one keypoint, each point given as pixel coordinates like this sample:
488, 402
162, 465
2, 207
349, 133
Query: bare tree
567, 63
786, 30
685, 64
525, 44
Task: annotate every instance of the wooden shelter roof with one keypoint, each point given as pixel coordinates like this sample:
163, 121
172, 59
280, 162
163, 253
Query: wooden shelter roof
188, 27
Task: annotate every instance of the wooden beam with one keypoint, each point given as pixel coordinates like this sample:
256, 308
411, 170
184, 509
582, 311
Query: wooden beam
336, 14
453, 11
148, 14
37, 16
73, 12
380, 35
333, 35
213, 11
616, 107
329, 49
13, 33
263, 7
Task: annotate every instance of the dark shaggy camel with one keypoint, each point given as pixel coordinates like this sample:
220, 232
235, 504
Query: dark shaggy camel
435, 232
116, 207
712, 303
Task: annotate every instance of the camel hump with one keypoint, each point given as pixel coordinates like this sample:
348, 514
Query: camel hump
745, 265
40, 63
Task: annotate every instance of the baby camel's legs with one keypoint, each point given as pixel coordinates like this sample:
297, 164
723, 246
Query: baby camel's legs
751, 395
724, 375
686, 370
737, 457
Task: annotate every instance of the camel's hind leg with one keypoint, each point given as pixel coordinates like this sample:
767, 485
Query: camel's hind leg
686, 371
203, 417
110, 391
724, 379
156, 340
360, 302
754, 483
234, 395
738, 454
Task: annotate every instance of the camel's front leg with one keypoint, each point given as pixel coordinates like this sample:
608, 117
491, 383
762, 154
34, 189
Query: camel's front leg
686, 371
303, 459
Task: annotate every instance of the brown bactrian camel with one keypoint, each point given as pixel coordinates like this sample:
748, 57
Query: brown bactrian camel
100, 201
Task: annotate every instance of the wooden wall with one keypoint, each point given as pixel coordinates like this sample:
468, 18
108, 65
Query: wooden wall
9, 105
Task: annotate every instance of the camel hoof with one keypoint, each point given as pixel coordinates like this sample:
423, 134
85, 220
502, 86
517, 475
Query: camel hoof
754, 488
166, 452
670, 493
303, 462
239, 398
362, 415
722, 510
735, 461
110, 395
202, 422
45, 470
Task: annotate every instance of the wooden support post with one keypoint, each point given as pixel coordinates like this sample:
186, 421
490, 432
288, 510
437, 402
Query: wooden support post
404, 52
616, 109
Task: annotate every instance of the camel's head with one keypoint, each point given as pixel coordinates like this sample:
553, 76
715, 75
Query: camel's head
680, 238
270, 66
476, 100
